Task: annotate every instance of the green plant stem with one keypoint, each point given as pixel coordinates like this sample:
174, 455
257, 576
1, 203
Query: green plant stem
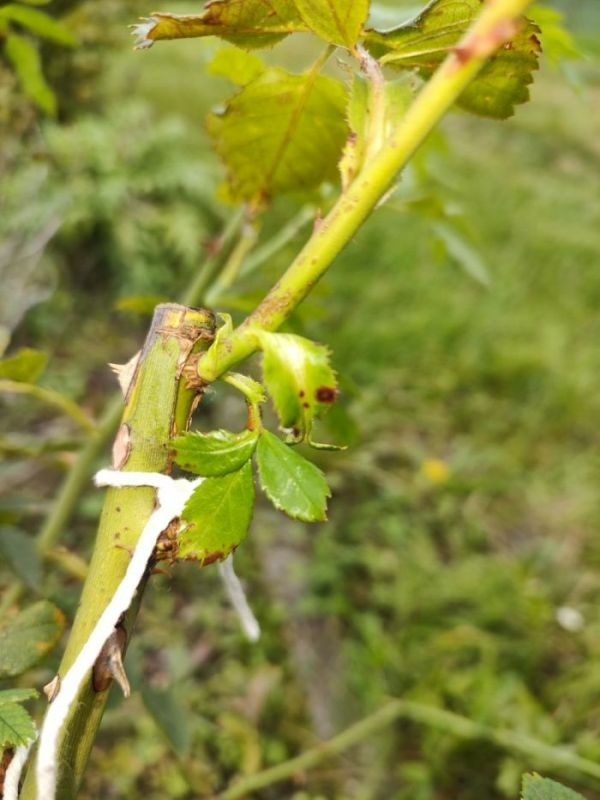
278, 241
52, 398
70, 563
227, 276
489, 31
543, 755
158, 404
78, 476
194, 294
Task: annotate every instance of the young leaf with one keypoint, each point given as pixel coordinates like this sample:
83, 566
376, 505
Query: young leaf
25, 366
214, 352
281, 133
336, 21
238, 66
21, 555
16, 726
537, 788
37, 22
28, 637
299, 379
251, 23
25, 59
218, 516
215, 453
423, 43
291, 483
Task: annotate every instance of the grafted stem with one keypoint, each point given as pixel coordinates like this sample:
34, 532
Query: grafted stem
157, 405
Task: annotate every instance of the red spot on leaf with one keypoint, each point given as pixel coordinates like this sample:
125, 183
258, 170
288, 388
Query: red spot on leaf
326, 394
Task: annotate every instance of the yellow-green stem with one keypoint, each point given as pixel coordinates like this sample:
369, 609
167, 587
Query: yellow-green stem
157, 405
488, 33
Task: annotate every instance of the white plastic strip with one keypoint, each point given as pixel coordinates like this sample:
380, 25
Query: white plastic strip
13, 772
172, 496
237, 598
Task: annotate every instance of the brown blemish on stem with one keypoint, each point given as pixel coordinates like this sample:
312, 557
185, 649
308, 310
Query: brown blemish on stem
477, 46
121, 449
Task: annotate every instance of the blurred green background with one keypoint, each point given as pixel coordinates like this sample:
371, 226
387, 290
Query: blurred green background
461, 563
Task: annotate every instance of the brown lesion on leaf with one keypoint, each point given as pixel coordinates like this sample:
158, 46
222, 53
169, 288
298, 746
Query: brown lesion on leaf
210, 558
326, 394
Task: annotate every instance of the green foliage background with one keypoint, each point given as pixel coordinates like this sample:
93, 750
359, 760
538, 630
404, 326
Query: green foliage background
461, 563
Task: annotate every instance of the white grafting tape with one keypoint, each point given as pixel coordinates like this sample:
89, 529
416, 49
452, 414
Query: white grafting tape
237, 598
172, 496
13, 772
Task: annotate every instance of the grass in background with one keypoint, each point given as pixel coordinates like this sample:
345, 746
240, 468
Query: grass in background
461, 565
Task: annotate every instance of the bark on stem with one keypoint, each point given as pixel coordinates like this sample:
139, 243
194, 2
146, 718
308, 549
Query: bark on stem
157, 405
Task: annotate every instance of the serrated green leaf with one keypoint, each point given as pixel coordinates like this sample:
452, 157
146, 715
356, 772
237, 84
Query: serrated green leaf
25, 59
218, 516
37, 22
424, 42
280, 134
336, 21
21, 555
215, 453
28, 637
16, 726
537, 788
299, 379
238, 66
17, 695
291, 483
25, 366
250, 24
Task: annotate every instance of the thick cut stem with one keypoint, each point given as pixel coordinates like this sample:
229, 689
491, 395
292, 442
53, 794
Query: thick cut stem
157, 405
491, 30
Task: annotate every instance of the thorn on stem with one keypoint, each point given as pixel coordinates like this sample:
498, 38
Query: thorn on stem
52, 689
109, 664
